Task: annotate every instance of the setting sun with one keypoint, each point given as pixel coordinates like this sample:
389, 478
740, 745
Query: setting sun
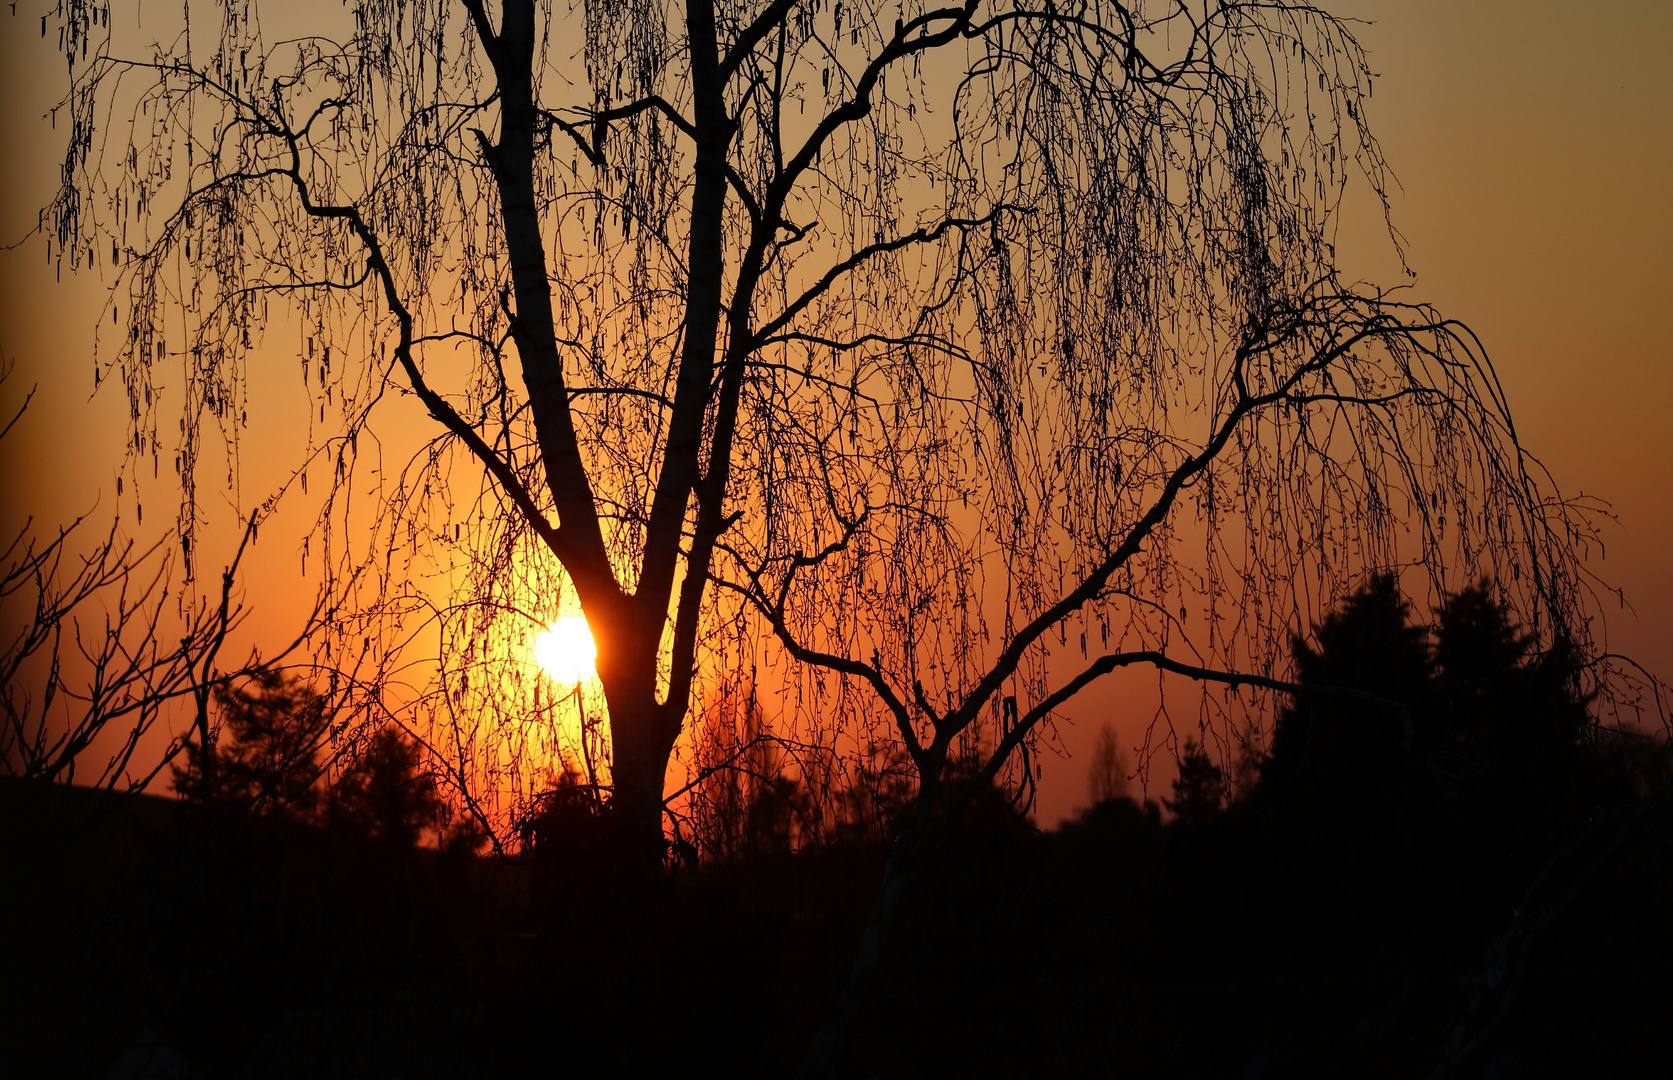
565, 650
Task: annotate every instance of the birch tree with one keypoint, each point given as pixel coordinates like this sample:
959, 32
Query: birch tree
886, 350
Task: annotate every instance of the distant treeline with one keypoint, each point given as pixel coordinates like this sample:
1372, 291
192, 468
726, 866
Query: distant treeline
1476, 881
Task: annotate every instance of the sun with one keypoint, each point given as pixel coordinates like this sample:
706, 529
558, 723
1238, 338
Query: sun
565, 651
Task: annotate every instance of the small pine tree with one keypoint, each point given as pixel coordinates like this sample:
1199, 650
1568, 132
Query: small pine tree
1199, 792
386, 795
265, 754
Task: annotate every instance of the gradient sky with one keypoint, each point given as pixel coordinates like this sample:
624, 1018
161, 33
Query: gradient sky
1533, 142
1534, 146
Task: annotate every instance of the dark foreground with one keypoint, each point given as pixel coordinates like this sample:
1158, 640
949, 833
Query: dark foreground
149, 935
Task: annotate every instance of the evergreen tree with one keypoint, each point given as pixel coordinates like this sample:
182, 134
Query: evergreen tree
1505, 703
1416, 831
1199, 791
386, 795
1330, 752
266, 751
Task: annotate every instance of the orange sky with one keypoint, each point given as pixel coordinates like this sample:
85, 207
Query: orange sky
1534, 145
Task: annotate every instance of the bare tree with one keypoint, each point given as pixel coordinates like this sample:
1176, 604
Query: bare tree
95, 663
895, 349
1108, 772
51, 726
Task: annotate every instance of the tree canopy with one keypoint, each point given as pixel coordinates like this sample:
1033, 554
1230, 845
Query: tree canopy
879, 352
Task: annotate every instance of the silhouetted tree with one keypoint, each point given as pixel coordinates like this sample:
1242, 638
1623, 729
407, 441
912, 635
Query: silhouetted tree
758, 308
91, 656
1106, 774
870, 807
1413, 829
1523, 767
906, 340
1199, 791
750, 798
1480, 697
1505, 701
1333, 751
386, 794
563, 826
265, 749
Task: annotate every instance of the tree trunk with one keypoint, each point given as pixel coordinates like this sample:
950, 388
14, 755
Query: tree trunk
920, 828
820, 1060
628, 625
639, 749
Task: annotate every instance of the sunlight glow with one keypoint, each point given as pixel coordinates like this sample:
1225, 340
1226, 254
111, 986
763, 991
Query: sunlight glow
565, 651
